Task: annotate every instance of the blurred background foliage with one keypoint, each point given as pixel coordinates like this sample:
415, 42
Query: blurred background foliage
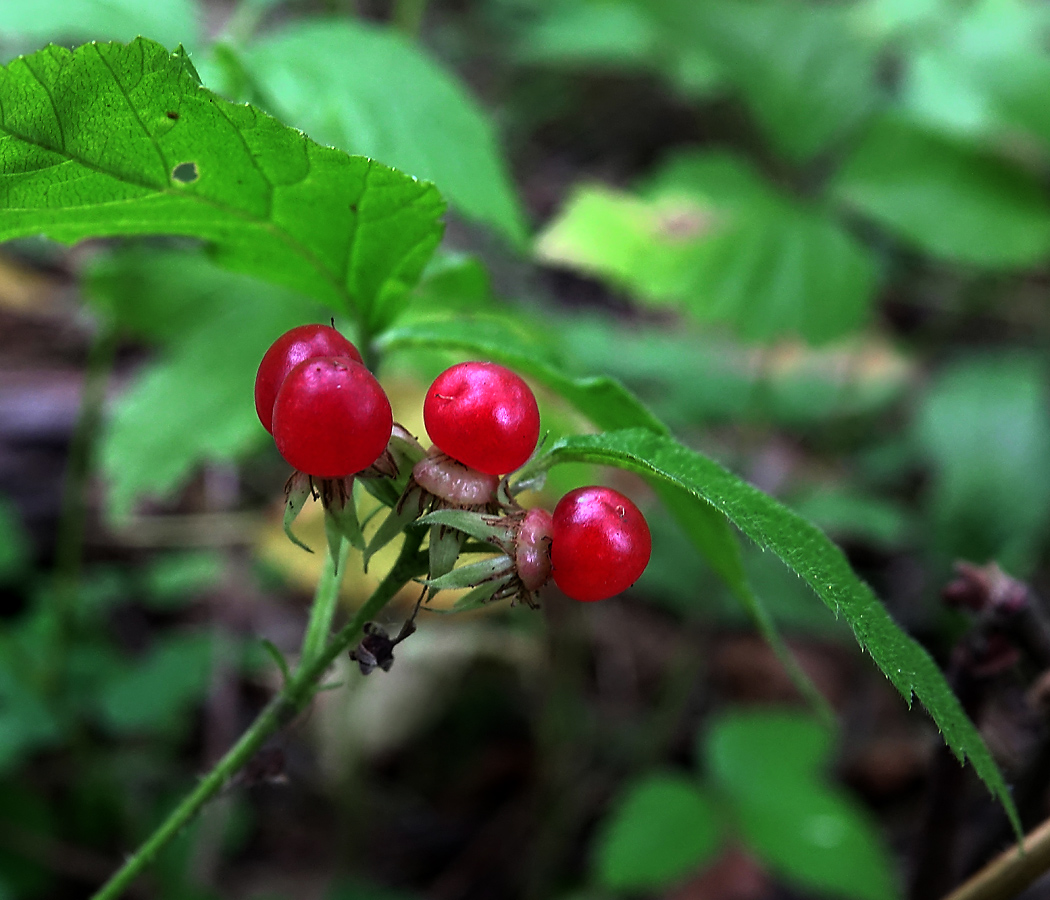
813, 237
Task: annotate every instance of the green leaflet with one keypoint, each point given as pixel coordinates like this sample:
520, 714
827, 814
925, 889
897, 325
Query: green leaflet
371, 91
664, 828
769, 767
114, 139
812, 556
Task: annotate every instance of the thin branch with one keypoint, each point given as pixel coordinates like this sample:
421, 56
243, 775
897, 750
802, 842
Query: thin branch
296, 694
1008, 875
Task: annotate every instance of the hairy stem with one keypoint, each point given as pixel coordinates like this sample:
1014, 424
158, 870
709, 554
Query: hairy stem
296, 694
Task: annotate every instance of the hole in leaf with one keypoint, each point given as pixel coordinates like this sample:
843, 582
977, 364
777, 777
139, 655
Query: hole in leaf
185, 172
172, 114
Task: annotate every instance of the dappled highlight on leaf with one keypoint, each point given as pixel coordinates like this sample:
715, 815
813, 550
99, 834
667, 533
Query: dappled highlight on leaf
91, 148
709, 235
812, 556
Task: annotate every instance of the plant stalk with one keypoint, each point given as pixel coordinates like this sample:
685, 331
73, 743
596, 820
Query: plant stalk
319, 627
1008, 875
296, 694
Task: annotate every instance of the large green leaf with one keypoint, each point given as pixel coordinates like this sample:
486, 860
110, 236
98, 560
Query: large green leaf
156, 693
947, 198
769, 766
809, 553
710, 235
990, 494
665, 827
371, 91
981, 70
171, 22
194, 404
806, 76
122, 139
26, 723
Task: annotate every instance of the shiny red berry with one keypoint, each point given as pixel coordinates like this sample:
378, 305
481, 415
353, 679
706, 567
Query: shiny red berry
483, 415
290, 349
331, 418
600, 543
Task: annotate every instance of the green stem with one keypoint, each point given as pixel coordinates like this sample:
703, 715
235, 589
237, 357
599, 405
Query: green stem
326, 599
296, 694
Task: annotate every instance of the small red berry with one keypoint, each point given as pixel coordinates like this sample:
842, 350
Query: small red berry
331, 417
290, 349
600, 543
483, 415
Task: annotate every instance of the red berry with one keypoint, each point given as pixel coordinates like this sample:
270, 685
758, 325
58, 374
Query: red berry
600, 543
290, 349
331, 418
483, 415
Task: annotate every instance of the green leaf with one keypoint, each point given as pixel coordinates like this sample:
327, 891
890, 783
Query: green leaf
850, 513
373, 92
688, 379
602, 400
630, 35
453, 283
711, 236
594, 34
472, 574
981, 71
175, 578
769, 766
480, 596
990, 495
26, 723
806, 76
477, 525
809, 553
712, 535
298, 490
665, 828
156, 694
445, 544
946, 198
195, 404
114, 139
171, 22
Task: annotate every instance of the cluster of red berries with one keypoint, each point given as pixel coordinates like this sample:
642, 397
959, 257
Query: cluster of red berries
331, 419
